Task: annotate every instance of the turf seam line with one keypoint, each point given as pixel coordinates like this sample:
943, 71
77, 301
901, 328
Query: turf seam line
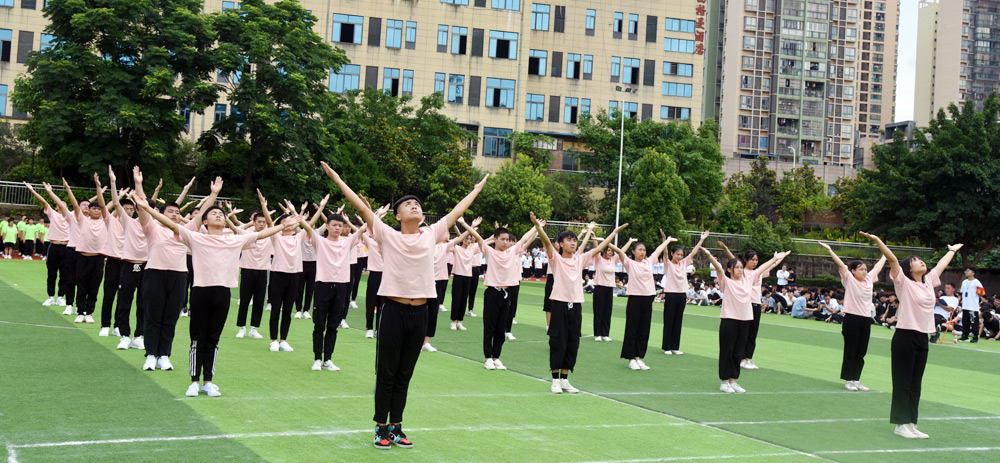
726, 431
38, 325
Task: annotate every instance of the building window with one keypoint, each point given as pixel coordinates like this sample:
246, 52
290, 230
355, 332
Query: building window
347, 28
675, 89
537, 62
47, 40
744, 141
617, 25
750, 23
678, 69
390, 81
456, 2
442, 35
500, 92
540, 17
750, 5
571, 161
506, 4
393, 33
616, 66
584, 106
748, 62
633, 24
6, 42
503, 44
591, 20
671, 113
228, 6
678, 45
588, 66
631, 109
536, 107
571, 110
220, 112
631, 71
439, 78
411, 33
746, 102
745, 122
349, 78
456, 88
572, 66
459, 37
749, 43
495, 142
408, 82
680, 25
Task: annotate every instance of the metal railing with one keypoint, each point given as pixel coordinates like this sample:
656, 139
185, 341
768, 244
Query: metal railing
17, 195
808, 247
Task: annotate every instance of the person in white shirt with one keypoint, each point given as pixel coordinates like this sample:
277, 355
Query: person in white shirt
944, 310
538, 266
972, 289
782, 277
525, 266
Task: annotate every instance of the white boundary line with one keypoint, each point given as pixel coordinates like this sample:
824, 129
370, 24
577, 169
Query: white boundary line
42, 326
11, 454
714, 457
849, 420
923, 450
369, 396
723, 393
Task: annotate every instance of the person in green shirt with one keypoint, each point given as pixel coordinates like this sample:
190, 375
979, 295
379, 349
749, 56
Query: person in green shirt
9, 238
28, 234
41, 238
21, 225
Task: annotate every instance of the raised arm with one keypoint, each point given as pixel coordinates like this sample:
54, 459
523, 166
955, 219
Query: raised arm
894, 267
215, 188
587, 233
778, 257
271, 231
37, 196
659, 249
156, 191
60, 204
877, 268
541, 234
464, 204
943, 263
263, 208
113, 181
725, 248
144, 206
607, 242
319, 211
184, 192
715, 262
363, 210
697, 247
72, 198
472, 231
840, 263
619, 252
100, 197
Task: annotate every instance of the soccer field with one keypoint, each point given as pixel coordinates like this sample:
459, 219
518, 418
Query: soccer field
68, 395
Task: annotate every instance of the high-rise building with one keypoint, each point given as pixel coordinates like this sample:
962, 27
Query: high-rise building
501, 65
806, 80
958, 54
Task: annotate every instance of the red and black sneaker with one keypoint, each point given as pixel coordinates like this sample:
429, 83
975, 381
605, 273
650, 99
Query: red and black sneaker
397, 436
382, 438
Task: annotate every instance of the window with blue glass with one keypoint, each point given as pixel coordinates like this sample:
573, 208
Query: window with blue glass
678, 25
678, 45
456, 88
678, 69
506, 4
676, 89
347, 28
407, 82
439, 82
540, 16
503, 44
47, 41
500, 92
496, 143
393, 33
535, 110
390, 81
349, 78
671, 113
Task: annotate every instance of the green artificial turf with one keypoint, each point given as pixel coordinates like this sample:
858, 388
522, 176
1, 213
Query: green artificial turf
69, 395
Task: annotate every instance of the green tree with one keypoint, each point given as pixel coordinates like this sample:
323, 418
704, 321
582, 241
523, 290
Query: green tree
737, 207
655, 198
513, 192
277, 69
531, 145
765, 239
762, 181
945, 190
110, 91
570, 195
15, 156
799, 192
699, 163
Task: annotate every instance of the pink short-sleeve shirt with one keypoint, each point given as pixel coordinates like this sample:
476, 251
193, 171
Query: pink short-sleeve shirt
858, 294
604, 271
74, 228
464, 258
375, 255
216, 258
333, 257
287, 252
737, 296
258, 255
640, 278
504, 267
93, 234
916, 301
567, 275
408, 260
166, 251
441, 251
58, 226
136, 246
114, 245
675, 275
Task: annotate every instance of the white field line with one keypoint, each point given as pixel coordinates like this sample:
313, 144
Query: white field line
850, 420
723, 393
696, 458
41, 326
821, 452
369, 396
11, 454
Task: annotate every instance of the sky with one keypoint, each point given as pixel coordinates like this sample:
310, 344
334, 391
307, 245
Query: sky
906, 61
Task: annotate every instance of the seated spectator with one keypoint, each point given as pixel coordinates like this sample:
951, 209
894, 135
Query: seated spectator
696, 297
784, 301
944, 310
800, 308
831, 310
620, 287
888, 319
989, 329
714, 295
588, 285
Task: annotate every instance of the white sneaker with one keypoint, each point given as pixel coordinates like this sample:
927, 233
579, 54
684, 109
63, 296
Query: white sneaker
104, 332
60, 301
670, 352
49, 302
736, 388
343, 324
89, 319
163, 363
268, 308
752, 366
211, 390
460, 327
241, 333
454, 326
556, 386
513, 322
124, 343
354, 305
472, 314
633, 365
298, 314
317, 365
192, 390
442, 308
371, 334
150, 364
566, 386
184, 312
285, 347
598, 339
607, 339
510, 336
642, 365
427, 347
727, 388
916, 432
274, 346
903, 430
79, 319
68, 311
499, 365
254, 334
850, 386
305, 315
677, 352
115, 332
861, 387
490, 365
329, 366
137, 343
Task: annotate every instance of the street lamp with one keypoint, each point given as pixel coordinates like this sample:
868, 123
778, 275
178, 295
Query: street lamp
621, 153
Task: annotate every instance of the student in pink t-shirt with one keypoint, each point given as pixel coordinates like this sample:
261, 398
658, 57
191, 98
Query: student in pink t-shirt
55, 256
604, 287
463, 254
407, 284
675, 284
914, 286
93, 234
639, 309
215, 256
441, 252
567, 301
547, 298
858, 312
502, 284
751, 261
375, 266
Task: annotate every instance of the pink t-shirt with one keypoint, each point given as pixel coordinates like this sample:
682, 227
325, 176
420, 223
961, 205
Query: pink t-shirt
737, 296
74, 232
604, 271
166, 251
58, 226
441, 251
408, 270
216, 258
308, 251
114, 245
758, 282
477, 260
567, 275
333, 258
675, 275
858, 294
640, 278
93, 234
464, 258
288, 252
359, 251
136, 246
504, 267
258, 255
375, 255
916, 301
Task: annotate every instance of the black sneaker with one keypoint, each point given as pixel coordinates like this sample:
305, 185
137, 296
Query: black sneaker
382, 439
974, 340
935, 337
397, 436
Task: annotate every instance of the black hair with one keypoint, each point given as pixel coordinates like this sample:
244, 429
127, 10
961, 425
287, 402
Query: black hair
255, 215
565, 234
336, 218
803, 293
674, 249
204, 215
126, 202
972, 269
905, 264
400, 201
950, 284
750, 254
731, 264
854, 264
501, 231
637, 244
94, 204
164, 207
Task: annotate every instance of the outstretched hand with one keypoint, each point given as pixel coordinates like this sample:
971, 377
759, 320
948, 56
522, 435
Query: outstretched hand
827, 246
216, 186
136, 175
477, 221
955, 247
111, 175
329, 171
